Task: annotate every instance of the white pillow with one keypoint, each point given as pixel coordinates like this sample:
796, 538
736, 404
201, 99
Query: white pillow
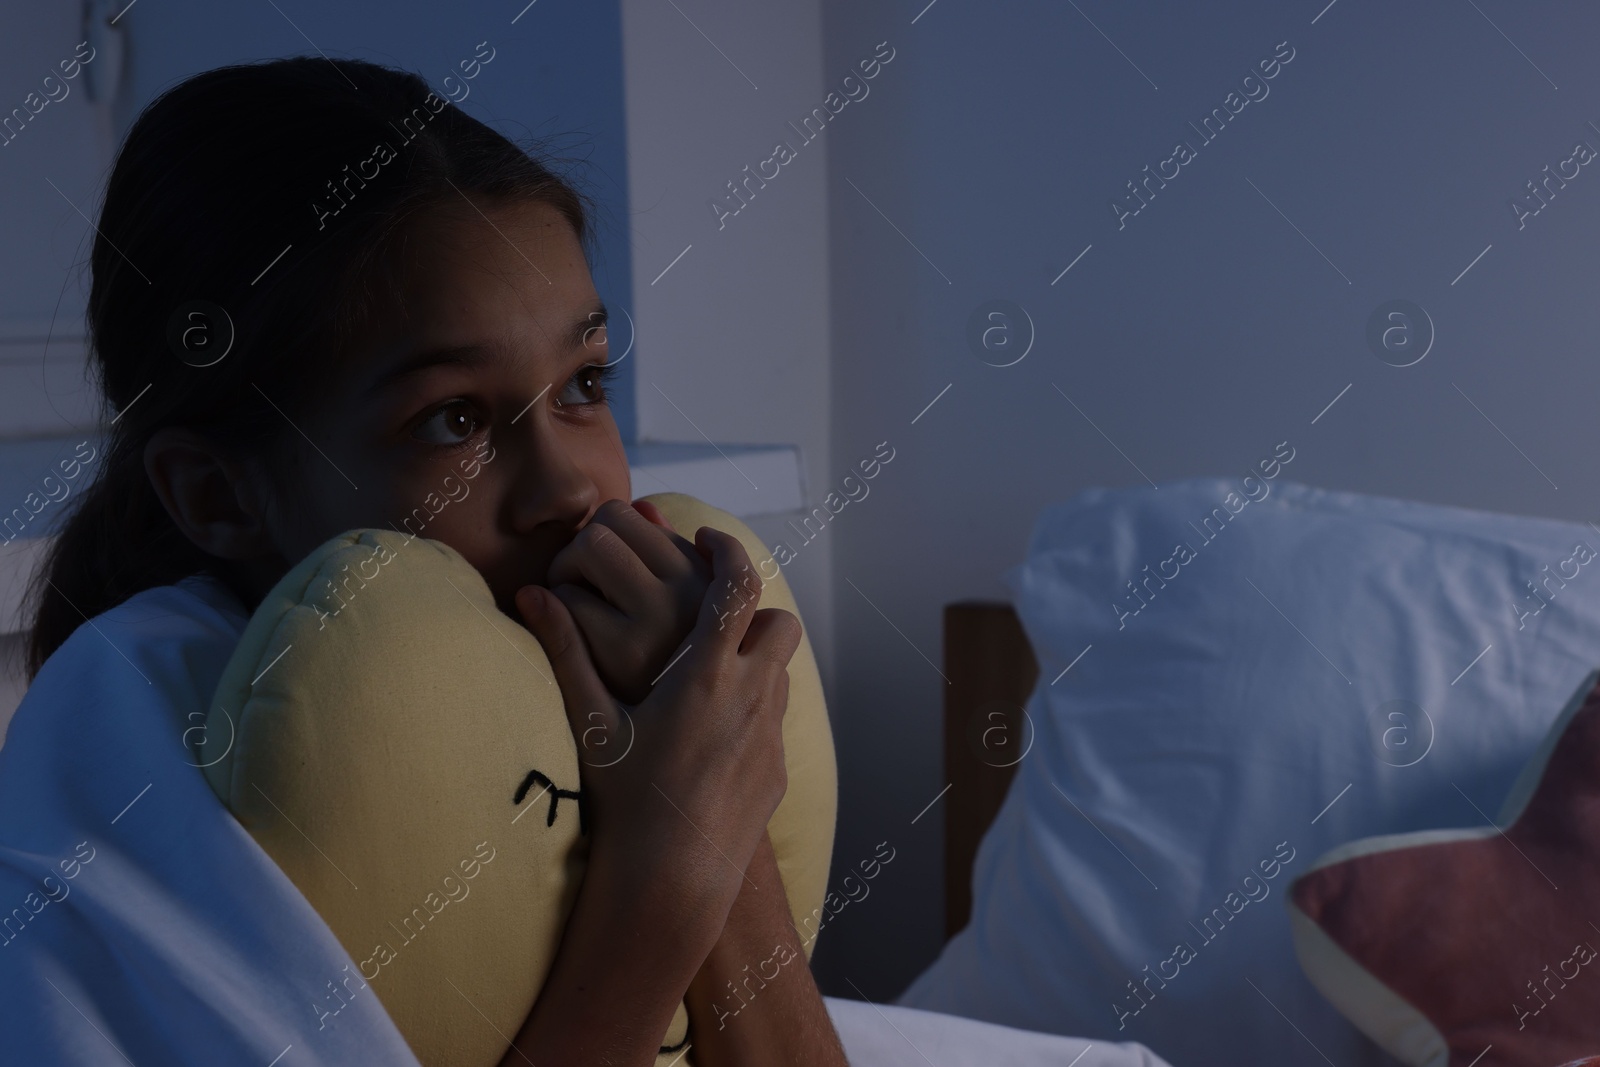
1199, 741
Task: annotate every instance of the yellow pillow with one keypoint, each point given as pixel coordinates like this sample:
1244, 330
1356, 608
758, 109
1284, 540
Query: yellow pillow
399, 748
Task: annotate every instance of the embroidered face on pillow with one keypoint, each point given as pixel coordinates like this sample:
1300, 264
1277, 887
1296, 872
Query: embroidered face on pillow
398, 746
1473, 946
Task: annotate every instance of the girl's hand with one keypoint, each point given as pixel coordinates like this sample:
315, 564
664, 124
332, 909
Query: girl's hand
634, 588
679, 791
678, 795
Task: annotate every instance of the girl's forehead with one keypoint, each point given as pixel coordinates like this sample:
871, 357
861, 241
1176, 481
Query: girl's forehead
529, 245
482, 273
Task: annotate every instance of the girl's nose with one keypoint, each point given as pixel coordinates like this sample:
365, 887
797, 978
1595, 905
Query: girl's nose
549, 485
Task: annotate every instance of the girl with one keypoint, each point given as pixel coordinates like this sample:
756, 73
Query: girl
316, 285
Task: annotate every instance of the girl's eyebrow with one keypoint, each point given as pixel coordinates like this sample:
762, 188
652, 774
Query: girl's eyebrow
463, 356
474, 355
594, 320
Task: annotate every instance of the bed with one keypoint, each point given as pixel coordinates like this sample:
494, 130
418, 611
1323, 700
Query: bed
992, 670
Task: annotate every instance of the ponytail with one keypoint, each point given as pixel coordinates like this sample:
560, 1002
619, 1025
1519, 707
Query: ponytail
117, 541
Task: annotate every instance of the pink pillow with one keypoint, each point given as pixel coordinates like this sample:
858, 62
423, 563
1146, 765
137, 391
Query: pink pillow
1473, 947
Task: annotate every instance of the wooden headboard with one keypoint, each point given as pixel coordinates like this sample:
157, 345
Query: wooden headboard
991, 668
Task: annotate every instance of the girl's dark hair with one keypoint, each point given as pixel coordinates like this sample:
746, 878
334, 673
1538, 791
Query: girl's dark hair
217, 176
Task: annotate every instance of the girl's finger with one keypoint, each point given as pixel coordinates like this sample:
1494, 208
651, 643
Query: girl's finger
582, 692
601, 623
686, 564
599, 556
651, 512
651, 537
773, 637
730, 602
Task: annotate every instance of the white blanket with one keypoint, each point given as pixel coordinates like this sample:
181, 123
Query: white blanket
141, 924
175, 940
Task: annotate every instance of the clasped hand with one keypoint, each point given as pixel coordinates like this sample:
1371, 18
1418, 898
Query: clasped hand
634, 587
705, 767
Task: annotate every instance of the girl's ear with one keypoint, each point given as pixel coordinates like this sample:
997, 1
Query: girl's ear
214, 500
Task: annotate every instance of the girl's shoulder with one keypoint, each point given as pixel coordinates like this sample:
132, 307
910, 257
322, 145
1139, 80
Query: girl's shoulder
165, 646
196, 609
200, 601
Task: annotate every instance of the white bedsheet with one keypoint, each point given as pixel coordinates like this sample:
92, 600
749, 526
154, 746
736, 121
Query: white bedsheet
140, 923
889, 1036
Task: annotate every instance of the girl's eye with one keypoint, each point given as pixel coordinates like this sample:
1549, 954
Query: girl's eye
588, 385
453, 423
